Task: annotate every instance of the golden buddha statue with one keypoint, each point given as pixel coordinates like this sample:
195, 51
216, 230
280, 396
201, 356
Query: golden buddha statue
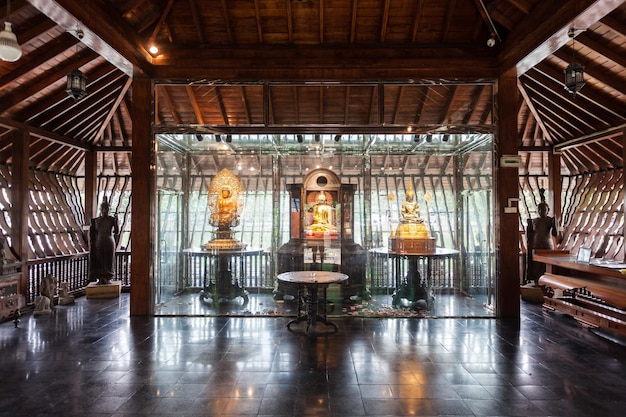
411, 224
226, 214
322, 215
225, 204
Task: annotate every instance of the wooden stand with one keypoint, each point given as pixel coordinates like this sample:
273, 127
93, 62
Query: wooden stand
100, 291
594, 296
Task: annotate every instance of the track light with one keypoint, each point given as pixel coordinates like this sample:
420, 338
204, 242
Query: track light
318, 138
337, 138
199, 138
300, 138
218, 138
229, 138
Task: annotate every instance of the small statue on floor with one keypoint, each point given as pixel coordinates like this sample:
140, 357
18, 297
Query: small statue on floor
42, 305
49, 286
16, 317
65, 297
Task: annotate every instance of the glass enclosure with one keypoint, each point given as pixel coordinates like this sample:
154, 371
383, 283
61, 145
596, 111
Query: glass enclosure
451, 176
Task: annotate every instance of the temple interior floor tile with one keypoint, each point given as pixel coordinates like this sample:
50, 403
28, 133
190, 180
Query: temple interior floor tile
91, 358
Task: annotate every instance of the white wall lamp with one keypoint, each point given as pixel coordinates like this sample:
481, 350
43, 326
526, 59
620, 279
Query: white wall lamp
10, 50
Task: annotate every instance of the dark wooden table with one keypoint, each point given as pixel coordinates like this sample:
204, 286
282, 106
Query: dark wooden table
311, 282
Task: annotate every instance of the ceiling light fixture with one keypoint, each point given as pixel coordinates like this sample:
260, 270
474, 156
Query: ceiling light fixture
76, 84
76, 80
337, 138
218, 138
300, 138
10, 49
575, 72
491, 42
152, 48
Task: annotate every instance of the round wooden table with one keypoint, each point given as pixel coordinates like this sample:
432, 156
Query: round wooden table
310, 282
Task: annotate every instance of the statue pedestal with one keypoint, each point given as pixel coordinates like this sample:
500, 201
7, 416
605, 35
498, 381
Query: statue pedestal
100, 291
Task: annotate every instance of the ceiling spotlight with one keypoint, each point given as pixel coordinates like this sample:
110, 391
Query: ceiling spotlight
218, 138
152, 48
229, 138
199, 137
416, 138
491, 42
429, 138
445, 138
337, 138
318, 138
300, 138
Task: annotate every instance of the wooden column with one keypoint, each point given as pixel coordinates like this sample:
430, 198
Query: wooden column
91, 178
624, 187
20, 199
507, 187
554, 188
142, 229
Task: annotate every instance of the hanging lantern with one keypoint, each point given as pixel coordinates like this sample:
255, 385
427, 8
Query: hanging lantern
575, 72
574, 77
76, 84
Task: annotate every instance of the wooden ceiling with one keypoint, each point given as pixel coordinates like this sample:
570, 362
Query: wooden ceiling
347, 67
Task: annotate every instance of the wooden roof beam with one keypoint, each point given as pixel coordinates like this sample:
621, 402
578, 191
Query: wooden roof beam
44, 134
194, 103
39, 57
545, 30
49, 77
107, 120
104, 32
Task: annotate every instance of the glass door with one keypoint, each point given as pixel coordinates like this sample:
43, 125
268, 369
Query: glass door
167, 266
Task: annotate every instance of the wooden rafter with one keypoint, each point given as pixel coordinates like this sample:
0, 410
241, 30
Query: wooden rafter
107, 120
194, 104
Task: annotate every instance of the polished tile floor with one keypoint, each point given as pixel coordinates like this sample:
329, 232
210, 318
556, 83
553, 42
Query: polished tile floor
92, 359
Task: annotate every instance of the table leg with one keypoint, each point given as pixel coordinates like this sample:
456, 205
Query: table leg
312, 315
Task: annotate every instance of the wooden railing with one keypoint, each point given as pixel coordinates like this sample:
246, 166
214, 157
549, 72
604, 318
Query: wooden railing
72, 269
255, 273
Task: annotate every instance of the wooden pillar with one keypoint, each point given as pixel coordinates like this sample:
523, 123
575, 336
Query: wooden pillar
91, 178
554, 188
20, 199
506, 219
624, 187
142, 228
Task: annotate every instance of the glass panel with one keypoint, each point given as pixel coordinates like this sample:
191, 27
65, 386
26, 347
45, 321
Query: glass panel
452, 183
170, 184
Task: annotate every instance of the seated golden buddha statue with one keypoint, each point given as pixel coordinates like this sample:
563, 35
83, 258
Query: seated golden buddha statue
225, 214
322, 215
411, 224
